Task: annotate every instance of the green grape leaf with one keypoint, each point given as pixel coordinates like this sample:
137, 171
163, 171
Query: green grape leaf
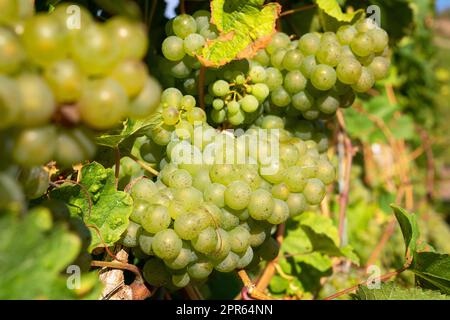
404, 128
432, 270
332, 17
389, 291
110, 211
34, 254
317, 260
410, 230
244, 26
130, 128
324, 236
278, 284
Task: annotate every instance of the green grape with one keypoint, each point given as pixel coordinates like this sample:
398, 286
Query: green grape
155, 219
280, 212
296, 203
191, 62
365, 61
44, 39
277, 58
184, 130
35, 146
272, 122
365, 81
308, 163
239, 239
223, 246
171, 97
170, 116
294, 178
311, 114
103, 103
215, 193
131, 75
218, 104
166, 244
65, 79
294, 82
139, 209
260, 91
237, 118
279, 40
314, 191
188, 103
34, 181
188, 226
249, 103
262, 57
130, 237
201, 180
179, 179
173, 48
228, 218
179, 70
303, 101
196, 115
329, 37
348, 71
280, 191
193, 43
329, 53
233, 107
308, 66
323, 77
380, 39
251, 177
288, 154
280, 97
218, 116
181, 280
328, 104
37, 101
362, 45
292, 60
365, 25
245, 259
258, 231
131, 37
94, 50
257, 74
274, 78
143, 189
346, 34
206, 241
183, 25
379, 68
175, 209
221, 88
229, 263
237, 195
9, 11
190, 197
200, 269
309, 44
269, 249
202, 18
156, 273
10, 102
12, 54
326, 172
184, 258
145, 241
147, 101
73, 147
261, 204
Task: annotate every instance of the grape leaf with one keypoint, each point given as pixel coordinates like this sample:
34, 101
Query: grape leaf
110, 210
317, 260
389, 291
324, 236
410, 230
432, 270
130, 128
34, 254
245, 27
332, 17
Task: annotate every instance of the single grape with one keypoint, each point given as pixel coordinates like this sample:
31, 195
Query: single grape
277, 58
130, 237
155, 219
221, 88
262, 57
188, 103
295, 179
131, 75
380, 39
260, 91
206, 241
362, 45
10, 102
309, 44
173, 48
12, 54
179, 69
280, 97
346, 34
188, 226
35, 146
184, 25
215, 193
294, 82
245, 259
237, 118
365, 81
326, 172
166, 244
229, 263
184, 258
379, 68
260, 205
279, 40
323, 77
329, 53
147, 101
249, 103
156, 273
274, 78
365, 25
328, 104
196, 115
181, 280
130, 35
296, 203
280, 212
257, 74
308, 66
200, 269
237, 195
314, 191
303, 101
73, 147
66, 80
259, 231
293, 60
103, 103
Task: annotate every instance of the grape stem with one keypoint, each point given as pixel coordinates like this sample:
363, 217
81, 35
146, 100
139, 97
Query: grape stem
250, 288
144, 165
299, 9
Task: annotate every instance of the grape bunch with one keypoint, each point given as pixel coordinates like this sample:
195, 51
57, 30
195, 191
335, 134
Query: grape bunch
63, 80
310, 77
218, 196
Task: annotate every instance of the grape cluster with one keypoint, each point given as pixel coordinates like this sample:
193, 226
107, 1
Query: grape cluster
311, 77
210, 209
62, 79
